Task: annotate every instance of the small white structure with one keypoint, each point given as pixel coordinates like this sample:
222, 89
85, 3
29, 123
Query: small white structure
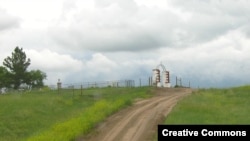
159, 81
59, 84
3, 91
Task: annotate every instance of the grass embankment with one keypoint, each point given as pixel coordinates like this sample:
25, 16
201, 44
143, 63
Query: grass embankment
50, 116
213, 106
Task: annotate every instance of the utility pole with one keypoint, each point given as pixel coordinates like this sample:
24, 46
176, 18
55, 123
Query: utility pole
176, 81
180, 82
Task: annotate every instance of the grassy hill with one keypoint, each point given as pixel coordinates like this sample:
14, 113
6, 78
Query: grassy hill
47, 115
213, 106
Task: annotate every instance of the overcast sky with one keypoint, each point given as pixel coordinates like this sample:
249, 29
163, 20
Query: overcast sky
206, 42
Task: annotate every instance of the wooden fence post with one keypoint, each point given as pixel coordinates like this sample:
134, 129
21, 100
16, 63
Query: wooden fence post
81, 89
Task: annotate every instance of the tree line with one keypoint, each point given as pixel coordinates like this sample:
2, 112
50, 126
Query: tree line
14, 72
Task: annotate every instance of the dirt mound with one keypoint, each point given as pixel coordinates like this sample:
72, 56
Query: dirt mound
139, 121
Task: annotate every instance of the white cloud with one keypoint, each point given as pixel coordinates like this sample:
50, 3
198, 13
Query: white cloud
56, 66
216, 63
52, 61
114, 27
143, 25
7, 21
202, 41
99, 66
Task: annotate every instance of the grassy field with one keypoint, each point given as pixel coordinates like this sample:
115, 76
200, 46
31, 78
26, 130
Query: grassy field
47, 115
213, 106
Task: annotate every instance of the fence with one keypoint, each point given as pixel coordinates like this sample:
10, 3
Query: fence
100, 84
78, 87
73, 87
96, 84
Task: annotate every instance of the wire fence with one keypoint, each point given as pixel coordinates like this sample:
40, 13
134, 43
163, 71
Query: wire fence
129, 83
78, 88
60, 87
101, 84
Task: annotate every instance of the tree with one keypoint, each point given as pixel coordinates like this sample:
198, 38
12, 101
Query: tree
5, 80
17, 65
15, 71
35, 78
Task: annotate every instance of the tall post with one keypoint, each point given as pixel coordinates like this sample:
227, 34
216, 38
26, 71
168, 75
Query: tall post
81, 89
180, 82
140, 81
59, 86
149, 81
176, 82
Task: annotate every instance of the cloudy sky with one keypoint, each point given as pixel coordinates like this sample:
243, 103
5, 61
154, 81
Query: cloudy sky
206, 42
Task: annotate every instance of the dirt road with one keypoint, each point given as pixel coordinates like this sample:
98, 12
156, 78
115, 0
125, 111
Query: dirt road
139, 121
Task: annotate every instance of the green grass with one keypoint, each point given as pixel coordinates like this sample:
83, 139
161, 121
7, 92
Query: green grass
213, 106
47, 115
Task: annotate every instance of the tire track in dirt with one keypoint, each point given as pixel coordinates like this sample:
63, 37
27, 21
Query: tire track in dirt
138, 122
